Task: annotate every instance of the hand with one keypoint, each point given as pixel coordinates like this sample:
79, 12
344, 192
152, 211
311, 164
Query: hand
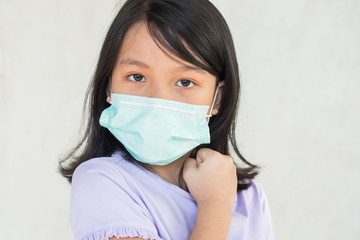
211, 178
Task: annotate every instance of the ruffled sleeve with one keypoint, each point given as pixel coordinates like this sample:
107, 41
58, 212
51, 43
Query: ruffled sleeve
104, 204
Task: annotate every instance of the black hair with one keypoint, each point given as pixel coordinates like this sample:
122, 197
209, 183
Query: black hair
193, 30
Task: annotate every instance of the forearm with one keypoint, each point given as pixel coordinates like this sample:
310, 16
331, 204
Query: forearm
211, 223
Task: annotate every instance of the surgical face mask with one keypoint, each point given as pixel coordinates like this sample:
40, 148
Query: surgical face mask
156, 131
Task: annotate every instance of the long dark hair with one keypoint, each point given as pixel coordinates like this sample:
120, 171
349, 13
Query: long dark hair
193, 30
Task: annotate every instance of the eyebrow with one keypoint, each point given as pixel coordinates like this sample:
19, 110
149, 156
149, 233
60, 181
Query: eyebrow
184, 67
131, 61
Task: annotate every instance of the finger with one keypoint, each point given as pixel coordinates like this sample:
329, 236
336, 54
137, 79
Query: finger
189, 169
202, 154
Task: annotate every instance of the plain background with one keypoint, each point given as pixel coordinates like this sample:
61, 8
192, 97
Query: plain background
299, 116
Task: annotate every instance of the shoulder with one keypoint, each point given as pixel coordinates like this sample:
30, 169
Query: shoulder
255, 192
253, 204
253, 198
94, 179
100, 171
100, 164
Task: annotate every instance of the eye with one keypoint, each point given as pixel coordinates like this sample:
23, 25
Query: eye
136, 78
185, 83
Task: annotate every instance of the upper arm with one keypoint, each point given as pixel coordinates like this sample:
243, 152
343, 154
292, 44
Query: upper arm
103, 203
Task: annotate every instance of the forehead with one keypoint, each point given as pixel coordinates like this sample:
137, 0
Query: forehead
139, 43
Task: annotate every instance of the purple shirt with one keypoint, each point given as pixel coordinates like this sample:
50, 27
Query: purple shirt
111, 196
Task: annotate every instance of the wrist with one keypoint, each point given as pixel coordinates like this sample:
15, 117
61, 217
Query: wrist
212, 222
215, 210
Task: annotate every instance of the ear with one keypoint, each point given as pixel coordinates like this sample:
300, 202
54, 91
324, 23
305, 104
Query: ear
217, 102
108, 92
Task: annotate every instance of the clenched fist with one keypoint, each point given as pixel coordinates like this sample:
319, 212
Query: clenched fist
211, 178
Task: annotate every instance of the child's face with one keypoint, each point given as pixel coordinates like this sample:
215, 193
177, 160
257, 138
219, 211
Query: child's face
143, 69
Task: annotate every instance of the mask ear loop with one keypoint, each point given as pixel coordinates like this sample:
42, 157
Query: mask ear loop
212, 104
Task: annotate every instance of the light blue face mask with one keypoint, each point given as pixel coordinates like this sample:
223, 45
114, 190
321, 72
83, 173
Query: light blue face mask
156, 131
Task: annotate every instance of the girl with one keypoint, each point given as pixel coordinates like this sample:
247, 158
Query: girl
154, 161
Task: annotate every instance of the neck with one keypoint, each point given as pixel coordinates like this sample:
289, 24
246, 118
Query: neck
171, 172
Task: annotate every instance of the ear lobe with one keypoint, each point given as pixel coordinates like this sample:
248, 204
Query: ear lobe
108, 100
217, 103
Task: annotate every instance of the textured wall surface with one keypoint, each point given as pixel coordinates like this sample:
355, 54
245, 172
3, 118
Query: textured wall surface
299, 116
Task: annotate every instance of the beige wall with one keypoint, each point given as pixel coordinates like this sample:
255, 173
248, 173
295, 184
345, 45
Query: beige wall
299, 115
